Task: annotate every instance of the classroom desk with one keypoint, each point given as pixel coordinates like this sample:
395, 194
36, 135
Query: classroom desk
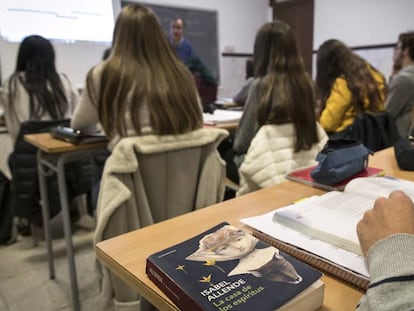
52, 155
126, 254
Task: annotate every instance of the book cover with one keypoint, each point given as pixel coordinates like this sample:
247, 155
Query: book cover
303, 176
225, 268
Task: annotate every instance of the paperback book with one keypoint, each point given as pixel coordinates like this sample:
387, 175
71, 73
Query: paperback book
321, 230
333, 216
225, 268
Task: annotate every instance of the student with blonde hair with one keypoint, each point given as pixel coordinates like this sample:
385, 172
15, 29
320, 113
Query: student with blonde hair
143, 87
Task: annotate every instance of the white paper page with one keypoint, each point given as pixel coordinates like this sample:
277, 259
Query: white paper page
375, 187
331, 217
341, 257
222, 116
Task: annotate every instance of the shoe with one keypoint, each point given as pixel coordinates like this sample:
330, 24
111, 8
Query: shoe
23, 227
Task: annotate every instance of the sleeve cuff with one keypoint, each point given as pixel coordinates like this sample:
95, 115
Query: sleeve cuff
392, 256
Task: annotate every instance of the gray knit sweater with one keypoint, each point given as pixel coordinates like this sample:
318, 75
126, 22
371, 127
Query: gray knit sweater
391, 267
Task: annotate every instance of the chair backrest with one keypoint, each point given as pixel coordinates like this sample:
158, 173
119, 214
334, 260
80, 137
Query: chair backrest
151, 178
171, 180
373, 130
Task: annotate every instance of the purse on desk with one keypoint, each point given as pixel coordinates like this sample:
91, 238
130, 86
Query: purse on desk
339, 160
74, 136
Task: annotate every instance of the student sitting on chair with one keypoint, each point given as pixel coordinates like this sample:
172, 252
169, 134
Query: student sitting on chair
35, 91
281, 106
141, 91
240, 97
348, 85
400, 98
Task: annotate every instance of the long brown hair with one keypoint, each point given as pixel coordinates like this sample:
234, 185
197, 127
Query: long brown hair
287, 94
334, 60
143, 69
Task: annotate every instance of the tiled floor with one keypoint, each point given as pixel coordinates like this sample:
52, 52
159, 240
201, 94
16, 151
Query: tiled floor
24, 276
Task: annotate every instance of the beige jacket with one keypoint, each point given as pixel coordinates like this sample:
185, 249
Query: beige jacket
158, 184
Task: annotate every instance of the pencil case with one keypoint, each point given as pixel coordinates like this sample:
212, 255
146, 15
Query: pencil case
339, 160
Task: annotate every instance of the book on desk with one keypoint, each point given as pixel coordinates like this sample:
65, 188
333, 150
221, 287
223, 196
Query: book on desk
225, 268
303, 175
321, 230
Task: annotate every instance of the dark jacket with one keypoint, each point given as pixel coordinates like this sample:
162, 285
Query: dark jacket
25, 186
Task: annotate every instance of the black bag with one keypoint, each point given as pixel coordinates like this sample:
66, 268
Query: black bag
340, 159
6, 213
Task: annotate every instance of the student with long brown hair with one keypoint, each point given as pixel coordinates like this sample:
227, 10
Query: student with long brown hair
279, 113
142, 88
347, 84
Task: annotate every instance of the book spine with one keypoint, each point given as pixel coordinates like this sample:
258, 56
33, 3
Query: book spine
348, 276
170, 288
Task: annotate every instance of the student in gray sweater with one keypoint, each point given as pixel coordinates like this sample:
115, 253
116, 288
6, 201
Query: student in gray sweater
386, 235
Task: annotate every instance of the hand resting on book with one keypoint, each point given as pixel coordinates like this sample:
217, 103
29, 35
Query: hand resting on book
389, 216
386, 235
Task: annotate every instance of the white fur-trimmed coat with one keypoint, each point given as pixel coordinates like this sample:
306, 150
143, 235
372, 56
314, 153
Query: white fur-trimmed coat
271, 157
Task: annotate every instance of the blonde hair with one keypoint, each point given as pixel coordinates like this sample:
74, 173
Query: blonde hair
143, 69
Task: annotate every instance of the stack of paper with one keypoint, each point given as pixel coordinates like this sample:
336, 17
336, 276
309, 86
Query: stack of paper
220, 116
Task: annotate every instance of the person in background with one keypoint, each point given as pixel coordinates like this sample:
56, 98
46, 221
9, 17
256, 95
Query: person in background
278, 128
396, 60
35, 91
143, 87
348, 85
400, 99
182, 46
386, 236
241, 96
106, 53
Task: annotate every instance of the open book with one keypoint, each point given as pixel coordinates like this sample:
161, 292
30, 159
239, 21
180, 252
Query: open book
333, 217
321, 230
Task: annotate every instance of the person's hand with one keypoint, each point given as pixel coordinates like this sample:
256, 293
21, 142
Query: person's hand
388, 216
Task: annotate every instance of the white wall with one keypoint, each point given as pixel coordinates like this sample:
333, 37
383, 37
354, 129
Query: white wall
364, 23
238, 22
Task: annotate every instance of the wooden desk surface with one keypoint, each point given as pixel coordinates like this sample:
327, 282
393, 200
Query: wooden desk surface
49, 144
126, 254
